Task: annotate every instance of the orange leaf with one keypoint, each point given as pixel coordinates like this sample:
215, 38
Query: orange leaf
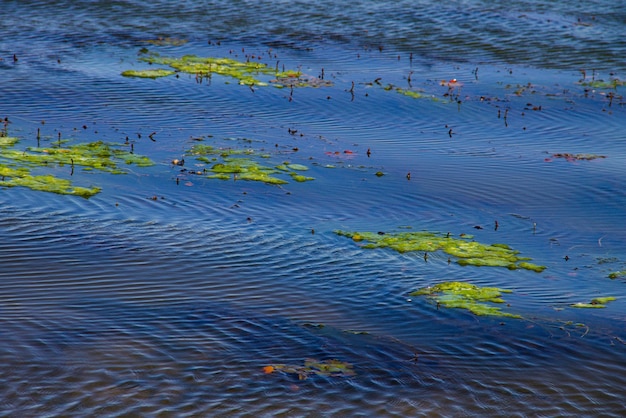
268, 369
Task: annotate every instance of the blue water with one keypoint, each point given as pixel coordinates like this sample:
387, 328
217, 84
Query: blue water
167, 293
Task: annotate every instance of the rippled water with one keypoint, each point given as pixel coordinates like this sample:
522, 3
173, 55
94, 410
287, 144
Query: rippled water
167, 293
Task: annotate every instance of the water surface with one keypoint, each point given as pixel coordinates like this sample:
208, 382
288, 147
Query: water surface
167, 293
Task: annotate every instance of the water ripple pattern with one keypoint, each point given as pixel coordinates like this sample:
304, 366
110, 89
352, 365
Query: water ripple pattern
171, 293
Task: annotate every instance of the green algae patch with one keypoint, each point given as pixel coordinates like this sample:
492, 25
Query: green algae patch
313, 367
406, 92
151, 73
8, 141
481, 301
93, 155
244, 72
595, 303
48, 183
300, 178
601, 84
531, 266
249, 73
16, 165
246, 169
617, 274
244, 164
415, 94
297, 167
466, 251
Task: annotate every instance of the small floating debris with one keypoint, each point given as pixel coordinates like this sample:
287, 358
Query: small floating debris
312, 367
578, 157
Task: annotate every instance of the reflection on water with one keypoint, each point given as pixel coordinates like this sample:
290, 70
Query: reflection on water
169, 292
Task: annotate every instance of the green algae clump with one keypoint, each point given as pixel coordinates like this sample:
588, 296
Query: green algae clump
617, 274
249, 73
242, 164
244, 72
467, 296
467, 252
151, 73
595, 302
8, 141
93, 155
48, 183
17, 166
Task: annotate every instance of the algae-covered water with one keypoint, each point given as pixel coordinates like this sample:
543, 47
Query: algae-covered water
241, 208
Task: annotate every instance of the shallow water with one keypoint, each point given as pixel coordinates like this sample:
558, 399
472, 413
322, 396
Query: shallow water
167, 293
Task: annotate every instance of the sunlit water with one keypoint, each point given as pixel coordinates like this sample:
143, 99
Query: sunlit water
167, 293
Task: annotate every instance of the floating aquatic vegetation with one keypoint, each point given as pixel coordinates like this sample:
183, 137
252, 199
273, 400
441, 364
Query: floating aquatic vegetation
617, 274
475, 299
248, 73
595, 303
8, 141
467, 252
150, 73
312, 367
46, 183
95, 155
242, 164
300, 178
406, 92
601, 84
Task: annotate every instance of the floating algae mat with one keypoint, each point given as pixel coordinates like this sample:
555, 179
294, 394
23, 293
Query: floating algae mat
595, 303
245, 72
478, 300
243, 164
16, 165
150, 73
617, 274
311, 367
467, 252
